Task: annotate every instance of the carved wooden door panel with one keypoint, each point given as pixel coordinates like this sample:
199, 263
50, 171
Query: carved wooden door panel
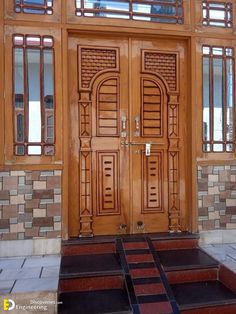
102, 187
155, 135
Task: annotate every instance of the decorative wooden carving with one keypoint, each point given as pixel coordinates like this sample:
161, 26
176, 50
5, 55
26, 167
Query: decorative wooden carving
108, 108
152, 102
162, 63
152, 180
108, 183
92, 62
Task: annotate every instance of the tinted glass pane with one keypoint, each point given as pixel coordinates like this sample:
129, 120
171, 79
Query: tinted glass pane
20, 128
33, 60
218, 100
229, 102
34, 2
206, 99
48, 79
18, 71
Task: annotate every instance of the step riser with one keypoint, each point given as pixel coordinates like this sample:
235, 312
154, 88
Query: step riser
175, 244
89, 284
192, 275
227, 309
228, 278
87, 249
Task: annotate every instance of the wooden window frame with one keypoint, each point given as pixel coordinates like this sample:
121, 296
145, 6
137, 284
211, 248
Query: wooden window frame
41, 47
222, 57
10, 157
228, 13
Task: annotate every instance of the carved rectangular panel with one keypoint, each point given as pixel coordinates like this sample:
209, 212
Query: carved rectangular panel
152, 181
108, 183
162, 63
108, 107
152, 100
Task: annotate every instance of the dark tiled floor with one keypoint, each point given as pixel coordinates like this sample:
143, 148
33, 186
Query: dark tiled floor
94, 302
89, 264
206, 292
185, 259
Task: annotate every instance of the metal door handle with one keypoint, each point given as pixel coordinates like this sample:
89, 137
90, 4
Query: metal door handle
137, 126
123, 126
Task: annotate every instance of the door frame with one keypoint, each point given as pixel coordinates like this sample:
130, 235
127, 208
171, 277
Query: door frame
190, 215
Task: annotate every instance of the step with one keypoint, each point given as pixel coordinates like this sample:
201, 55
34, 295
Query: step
87, 249
91, 283
192, 275
113, 301
203, 294
89, 265
183, 259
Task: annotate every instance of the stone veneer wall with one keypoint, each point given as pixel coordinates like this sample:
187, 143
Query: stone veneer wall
216, 197
30, 204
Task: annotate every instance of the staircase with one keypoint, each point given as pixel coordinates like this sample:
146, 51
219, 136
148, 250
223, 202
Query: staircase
143, 274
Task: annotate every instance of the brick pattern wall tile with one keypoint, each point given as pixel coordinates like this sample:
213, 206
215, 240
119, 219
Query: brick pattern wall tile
30, 204
216, 197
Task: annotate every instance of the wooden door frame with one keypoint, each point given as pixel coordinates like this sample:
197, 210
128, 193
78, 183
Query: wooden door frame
191, 197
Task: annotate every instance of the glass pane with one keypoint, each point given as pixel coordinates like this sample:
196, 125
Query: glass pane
18, 72
34, 150
20, 127
218, 148
48, 79
217, 14
229, 100
206, 99
108, 5
34, 2
33, 65
218, 99
20, 150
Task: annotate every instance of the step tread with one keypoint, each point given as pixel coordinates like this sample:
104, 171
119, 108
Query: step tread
204, 293
100, 301
186, 259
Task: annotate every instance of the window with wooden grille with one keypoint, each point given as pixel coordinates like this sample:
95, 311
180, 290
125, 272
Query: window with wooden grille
34, 6
218, 99
33, 101
163, 11
217, 14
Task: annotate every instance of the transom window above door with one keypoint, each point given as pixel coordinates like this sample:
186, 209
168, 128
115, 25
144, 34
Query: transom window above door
162, 11
34, 6
217, 14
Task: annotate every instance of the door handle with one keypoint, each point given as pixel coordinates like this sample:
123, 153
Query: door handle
123, 126
137, 126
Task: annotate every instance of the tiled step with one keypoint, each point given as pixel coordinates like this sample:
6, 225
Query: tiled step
181, 276
112, 301
91, 283
204, 294
183, 259
147, 281
89, 265
87, 249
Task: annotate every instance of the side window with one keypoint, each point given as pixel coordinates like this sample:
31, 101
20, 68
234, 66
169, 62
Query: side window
33, 99
217, 14
218, 99
34, 6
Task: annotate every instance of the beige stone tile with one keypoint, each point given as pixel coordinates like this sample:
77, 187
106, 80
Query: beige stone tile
39, 212
57, 226
19, 199
39, 185
230, 202
213, 190
19, 227
214, 215
213, 178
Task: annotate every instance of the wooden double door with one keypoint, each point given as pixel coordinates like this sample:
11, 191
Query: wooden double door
127, 123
